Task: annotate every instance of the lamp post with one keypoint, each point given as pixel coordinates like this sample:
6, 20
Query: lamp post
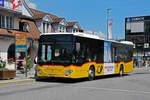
107, 17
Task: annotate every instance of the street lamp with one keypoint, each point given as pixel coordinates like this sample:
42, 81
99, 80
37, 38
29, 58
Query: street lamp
107, 17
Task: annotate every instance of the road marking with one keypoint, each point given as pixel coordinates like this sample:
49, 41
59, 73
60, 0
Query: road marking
17, 81
117, 90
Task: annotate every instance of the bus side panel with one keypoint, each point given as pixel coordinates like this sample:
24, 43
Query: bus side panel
128, 67
99, 70
79, 72
83, 71
117, 68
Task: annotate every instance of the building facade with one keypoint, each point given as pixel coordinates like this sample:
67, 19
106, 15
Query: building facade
26, 20
137, 30
12, 21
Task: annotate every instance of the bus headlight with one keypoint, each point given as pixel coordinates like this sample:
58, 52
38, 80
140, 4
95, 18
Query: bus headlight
68, 72
39, 71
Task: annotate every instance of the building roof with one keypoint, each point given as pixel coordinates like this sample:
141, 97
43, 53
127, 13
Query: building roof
70, 24
40, 14
33, 30
33, 33
57, 20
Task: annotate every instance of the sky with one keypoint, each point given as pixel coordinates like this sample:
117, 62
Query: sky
91, 14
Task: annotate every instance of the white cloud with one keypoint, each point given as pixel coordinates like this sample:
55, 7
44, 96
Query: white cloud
31, 4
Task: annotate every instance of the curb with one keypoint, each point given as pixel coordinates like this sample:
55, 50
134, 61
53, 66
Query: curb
143, 68
17, 82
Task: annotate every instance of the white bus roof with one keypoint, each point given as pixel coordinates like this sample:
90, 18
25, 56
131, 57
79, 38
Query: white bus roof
127, 42
88, 36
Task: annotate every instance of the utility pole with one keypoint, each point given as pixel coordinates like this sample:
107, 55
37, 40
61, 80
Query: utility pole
107, 18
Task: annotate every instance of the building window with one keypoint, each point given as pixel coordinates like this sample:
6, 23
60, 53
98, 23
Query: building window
147, 27
61, 29
3, 21
11, 23
74, 30
6, 22
46, 27
23, 26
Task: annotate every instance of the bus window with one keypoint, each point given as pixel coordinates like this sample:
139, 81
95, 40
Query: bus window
113, 54
77, 47
49, 53
43, 53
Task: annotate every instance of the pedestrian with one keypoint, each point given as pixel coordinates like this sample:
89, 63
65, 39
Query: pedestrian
146, 64
35, 67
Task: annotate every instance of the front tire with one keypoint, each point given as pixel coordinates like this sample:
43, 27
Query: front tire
91, 75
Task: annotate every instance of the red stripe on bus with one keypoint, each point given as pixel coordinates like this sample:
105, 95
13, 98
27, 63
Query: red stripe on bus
82, 64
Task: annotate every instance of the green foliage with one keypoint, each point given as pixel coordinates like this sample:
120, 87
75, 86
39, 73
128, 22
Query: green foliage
2, 66
10, 60
29, 62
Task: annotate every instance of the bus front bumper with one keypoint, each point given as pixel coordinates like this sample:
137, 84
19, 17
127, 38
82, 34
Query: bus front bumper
56, 72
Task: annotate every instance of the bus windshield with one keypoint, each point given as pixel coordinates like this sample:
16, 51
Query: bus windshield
59, 52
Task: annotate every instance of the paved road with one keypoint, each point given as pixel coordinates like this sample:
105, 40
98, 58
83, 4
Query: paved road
134, 86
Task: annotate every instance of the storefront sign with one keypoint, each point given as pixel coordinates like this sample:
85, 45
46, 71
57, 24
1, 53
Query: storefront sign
137, 19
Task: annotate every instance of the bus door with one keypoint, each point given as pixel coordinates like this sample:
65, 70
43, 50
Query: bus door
109, 64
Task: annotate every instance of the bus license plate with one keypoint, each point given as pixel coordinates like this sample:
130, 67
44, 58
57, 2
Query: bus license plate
51, 75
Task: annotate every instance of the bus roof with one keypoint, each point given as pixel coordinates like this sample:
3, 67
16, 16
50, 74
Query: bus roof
88, 36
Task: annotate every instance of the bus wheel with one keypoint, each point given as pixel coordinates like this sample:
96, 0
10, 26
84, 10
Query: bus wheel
121, 72
91, 74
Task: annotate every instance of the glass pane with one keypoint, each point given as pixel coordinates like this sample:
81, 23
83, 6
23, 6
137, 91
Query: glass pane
49, 53
0, 21
11, 23
43, 52
3, 21
7, 22
107, 52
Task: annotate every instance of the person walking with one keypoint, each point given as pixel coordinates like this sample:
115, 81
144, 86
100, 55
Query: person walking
146, 64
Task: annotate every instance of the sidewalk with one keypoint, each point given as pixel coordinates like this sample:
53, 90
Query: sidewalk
142, 68
20, 78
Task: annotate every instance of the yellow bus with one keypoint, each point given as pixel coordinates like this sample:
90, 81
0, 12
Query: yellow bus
80, 55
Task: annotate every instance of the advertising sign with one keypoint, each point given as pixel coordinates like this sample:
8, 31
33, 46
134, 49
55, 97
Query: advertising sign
109, 68
107, 52
21, 42
110, 29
